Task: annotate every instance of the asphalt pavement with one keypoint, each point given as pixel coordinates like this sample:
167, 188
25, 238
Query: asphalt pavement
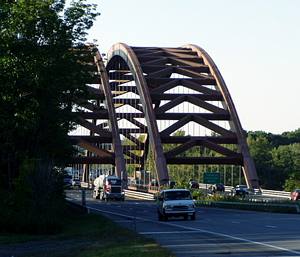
215, 232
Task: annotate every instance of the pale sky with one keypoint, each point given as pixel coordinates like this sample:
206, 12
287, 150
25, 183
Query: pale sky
254, 43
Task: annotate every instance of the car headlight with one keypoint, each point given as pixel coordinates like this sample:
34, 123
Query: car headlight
168, 207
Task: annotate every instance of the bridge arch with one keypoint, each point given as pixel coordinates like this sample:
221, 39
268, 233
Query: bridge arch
165, 91
119, 53
248, 164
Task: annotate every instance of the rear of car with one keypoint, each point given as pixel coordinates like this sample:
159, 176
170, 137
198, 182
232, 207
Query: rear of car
76, 182
219, 188
194, 184
67, 180
241, 190
175, 203
295, 195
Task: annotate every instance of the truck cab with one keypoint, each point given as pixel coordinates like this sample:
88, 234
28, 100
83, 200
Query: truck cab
108, 188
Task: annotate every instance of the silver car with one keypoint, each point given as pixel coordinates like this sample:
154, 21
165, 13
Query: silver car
174, 203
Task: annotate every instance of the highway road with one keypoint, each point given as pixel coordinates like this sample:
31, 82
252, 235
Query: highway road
215, 232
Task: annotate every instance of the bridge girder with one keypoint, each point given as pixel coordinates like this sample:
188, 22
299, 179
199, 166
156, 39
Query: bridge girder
148, 74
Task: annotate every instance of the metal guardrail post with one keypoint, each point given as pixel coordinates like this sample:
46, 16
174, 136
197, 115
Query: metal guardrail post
83, 197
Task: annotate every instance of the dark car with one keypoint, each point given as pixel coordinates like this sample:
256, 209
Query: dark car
219, 188
194, 184
67, 181
240, 190
172, 184
76, 182
295, 195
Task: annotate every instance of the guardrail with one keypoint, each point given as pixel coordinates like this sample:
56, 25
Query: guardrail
139, 195
265, 192
273, 193
146, 191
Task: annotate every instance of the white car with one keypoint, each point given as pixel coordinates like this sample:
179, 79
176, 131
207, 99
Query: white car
174, 203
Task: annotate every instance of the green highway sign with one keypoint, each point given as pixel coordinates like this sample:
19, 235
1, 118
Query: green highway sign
211, 177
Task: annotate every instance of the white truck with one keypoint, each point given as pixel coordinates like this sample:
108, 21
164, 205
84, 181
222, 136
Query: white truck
108, 188
174, 203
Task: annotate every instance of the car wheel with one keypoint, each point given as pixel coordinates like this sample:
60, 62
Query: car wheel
160, 217
193, 217
164, 216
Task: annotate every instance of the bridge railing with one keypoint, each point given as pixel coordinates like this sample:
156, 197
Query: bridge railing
273, 193
283, 195
151, 190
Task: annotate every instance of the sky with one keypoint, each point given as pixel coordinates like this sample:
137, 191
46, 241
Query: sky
254, 43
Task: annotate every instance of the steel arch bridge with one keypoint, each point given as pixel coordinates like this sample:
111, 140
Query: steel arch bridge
170, 105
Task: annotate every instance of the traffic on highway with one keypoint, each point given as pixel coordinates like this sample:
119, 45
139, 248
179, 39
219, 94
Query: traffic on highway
215, 232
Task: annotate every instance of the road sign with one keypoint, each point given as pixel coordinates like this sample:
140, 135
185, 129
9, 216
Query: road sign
211, 178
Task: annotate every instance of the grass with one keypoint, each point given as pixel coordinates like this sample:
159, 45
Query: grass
139, 248
90, 235
9, 238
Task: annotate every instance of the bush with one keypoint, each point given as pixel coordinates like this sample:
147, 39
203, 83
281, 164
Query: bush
37, 203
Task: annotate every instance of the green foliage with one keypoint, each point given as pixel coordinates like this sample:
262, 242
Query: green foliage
260, 150
198, 194
276, 158
43, 72
37, 203
286, 138
40, 77
293, 182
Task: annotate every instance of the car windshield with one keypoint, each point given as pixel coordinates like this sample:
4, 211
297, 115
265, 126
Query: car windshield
178, 195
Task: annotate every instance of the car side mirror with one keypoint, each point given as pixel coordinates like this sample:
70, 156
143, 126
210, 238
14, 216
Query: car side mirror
160, 198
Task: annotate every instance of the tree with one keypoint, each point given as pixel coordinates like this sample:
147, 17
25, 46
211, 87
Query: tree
260, 150
40, 77
293, 182
43, 70
289, 161
276, 157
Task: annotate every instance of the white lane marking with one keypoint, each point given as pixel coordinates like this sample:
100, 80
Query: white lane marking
123, 221
168, 232
271, 226
201, 230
